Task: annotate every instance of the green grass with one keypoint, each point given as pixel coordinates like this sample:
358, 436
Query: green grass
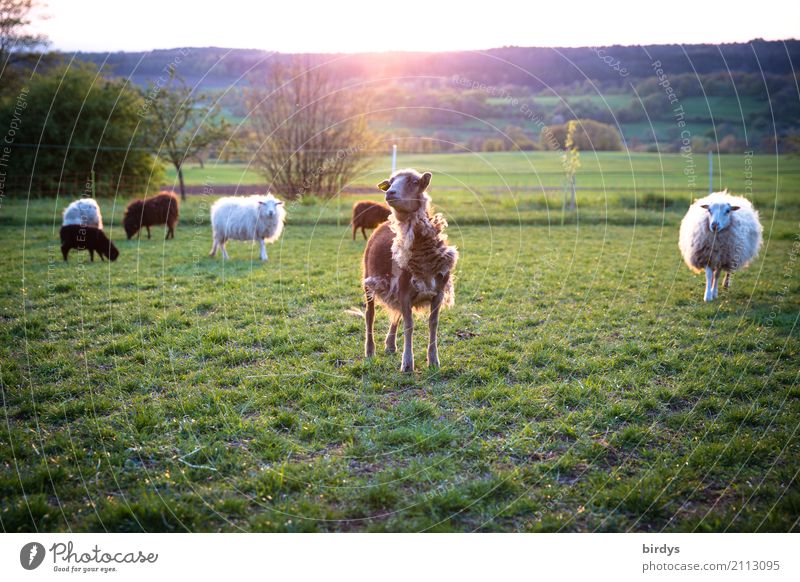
610, 173
584, 384
711, 117
721, 108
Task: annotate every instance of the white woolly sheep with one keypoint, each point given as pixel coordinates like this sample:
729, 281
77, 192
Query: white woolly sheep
83, 212
719, 233
247, 218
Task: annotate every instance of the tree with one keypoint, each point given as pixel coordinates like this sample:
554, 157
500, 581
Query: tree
312, 132
180, 124
493, 144
589, 135
570, 161
516, 140
75, 132
16, 43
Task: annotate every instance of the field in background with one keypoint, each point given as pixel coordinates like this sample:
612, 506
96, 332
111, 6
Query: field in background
536, 178
584, 384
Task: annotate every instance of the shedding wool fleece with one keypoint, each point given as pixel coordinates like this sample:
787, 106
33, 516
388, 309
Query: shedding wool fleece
419, 247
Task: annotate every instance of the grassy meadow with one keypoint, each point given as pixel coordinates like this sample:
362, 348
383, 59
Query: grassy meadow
584, 384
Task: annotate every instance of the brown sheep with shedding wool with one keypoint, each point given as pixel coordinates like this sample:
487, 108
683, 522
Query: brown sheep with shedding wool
408, 264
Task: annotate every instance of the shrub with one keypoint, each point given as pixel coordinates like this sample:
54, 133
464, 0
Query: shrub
71, 124
589, 135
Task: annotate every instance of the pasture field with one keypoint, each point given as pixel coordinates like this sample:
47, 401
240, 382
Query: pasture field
608, 175
584, 384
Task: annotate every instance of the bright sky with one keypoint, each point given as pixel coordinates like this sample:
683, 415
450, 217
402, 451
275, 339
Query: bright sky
426, 25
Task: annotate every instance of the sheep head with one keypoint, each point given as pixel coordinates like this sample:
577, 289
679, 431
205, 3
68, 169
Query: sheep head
269, 206
719, 215
405, 190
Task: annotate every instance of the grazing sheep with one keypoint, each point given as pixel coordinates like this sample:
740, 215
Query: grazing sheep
719, 233
408, 264
147, 212
246, 218
84, 212
76, 236
368, 214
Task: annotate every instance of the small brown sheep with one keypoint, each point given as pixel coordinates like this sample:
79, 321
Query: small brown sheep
368, 214
87, 238
408, 264
147, 212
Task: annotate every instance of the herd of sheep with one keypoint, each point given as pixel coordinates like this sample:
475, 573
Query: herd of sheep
407, 262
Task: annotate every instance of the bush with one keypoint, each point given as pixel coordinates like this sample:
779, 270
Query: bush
590, 136
69, 123
493, 145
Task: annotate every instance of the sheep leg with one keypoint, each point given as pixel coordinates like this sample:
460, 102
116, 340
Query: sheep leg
65, 251
433, 326
369, 318
408, 325
364, 232
263, 250
727, 282
715, 289
213, 252
355, 228
224, 252
391, 337
709, 296
91, 255
148, 231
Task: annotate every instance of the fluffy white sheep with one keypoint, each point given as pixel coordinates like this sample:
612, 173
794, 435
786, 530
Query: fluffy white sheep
251, 218
83, 212
719, 233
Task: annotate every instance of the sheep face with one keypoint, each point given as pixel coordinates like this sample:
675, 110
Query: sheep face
405, 190
130, 230
113, 252
719, 215
269, 207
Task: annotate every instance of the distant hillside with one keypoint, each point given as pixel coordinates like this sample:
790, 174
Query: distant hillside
531, 67
731, 97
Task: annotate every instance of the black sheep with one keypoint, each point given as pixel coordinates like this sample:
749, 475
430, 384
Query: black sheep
75, 236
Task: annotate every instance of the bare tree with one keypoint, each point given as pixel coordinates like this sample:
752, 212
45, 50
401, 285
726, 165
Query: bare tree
179, 123
312, 131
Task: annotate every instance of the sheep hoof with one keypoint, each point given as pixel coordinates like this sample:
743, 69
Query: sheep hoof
407, 367
433, 363
390, 349
369, 350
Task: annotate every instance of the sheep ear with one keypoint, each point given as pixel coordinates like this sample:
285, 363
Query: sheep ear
384, 185
279, 202
426, 179
704, 206
733, 208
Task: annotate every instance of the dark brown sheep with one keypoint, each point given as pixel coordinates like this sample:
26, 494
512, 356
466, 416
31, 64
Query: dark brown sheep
408, 264
87, 238
368, 214
147, 212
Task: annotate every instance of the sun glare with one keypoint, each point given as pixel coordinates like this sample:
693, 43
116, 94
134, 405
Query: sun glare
414, 25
